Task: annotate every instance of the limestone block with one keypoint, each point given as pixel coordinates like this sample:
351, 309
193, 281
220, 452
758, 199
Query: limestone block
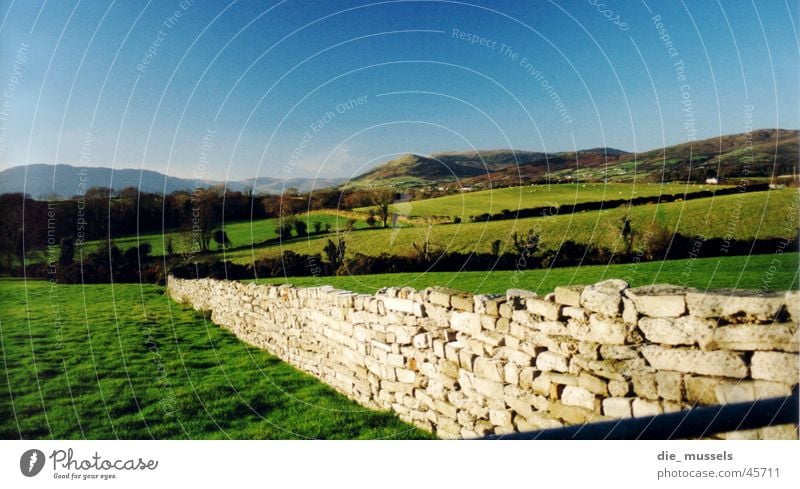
465, 322
735, 303
702, 390
500, 417
511, 373
630, 315
659, 300
488, 369
644, 385
548, 310
721, 363
618, 352
670, 385
604, 297
746, 391
506, 310
551, 362
618, 407
575, 313
569, 295
686, 330
422, 340
462, 302
775, 366
578, 396
750, 337
488, 323
593, 384
619, 388
440, 296
492, 305
606, 331
490, 389
570, 414
642, 407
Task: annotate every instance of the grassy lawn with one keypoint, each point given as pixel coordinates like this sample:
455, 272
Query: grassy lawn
742, 272
493, 201
743, 216
102, 362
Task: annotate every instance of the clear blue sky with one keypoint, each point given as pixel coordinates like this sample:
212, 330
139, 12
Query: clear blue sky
120, 84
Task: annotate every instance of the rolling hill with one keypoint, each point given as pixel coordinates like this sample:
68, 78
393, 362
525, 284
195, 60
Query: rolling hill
760, 153
40, 180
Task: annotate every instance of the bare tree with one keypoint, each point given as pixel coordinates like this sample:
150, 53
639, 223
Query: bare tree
382, 198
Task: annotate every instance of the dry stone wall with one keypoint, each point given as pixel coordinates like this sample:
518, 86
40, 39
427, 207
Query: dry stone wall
464, 365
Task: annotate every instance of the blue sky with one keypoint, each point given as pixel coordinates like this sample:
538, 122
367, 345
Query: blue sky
329, 88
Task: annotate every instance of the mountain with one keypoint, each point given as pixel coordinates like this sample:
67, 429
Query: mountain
40, 180
476, 166
759, 153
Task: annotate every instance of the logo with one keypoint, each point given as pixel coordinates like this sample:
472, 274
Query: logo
31, 462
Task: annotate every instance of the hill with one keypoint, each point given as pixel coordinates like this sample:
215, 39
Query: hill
470, 166
40, 180
760, 153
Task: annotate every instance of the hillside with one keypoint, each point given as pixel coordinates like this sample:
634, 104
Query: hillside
760, 153
40, 180
473, 167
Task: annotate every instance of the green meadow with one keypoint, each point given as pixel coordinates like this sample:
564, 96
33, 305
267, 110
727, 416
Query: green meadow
124, 361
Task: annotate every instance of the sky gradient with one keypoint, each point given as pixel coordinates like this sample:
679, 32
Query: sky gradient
330, 88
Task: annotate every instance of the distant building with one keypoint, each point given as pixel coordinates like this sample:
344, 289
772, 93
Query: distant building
712, 181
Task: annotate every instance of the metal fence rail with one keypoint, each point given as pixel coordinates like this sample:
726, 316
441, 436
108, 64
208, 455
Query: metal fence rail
697, 422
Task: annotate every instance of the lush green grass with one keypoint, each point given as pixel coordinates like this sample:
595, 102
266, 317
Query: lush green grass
125, 361
743, 272
496, 200
243, 234
740, 216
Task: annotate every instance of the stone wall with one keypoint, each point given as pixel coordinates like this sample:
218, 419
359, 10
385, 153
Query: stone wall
465, 365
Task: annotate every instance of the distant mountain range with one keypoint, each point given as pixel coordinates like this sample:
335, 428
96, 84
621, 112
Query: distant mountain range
41, 180
760, 153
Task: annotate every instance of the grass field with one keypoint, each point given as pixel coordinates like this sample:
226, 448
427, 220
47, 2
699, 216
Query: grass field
513, 198
241, 233
743, 216
742, 272
102, 362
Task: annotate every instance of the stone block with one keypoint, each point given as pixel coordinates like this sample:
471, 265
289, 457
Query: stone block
492, 305
618, 407
721, 363
593, 384
569, 295
659, 300
686, 330
440, 296
670, 385
746, 391
551, 362
775, 366
488, 369
488, 388
604, 297
570, 414
736, 304
606, 331
465, 322
575, 313
500, 417
619, 388
642, 408
547, 310
702, 390
630, 315
644, 385
462, 303
579, 397
751, 337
